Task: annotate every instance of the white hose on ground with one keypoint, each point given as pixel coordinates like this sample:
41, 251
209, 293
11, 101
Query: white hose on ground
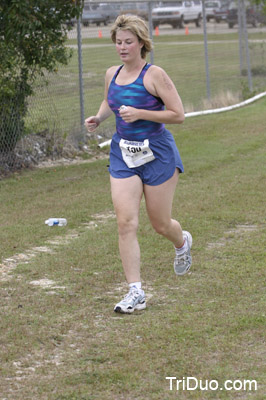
206, 112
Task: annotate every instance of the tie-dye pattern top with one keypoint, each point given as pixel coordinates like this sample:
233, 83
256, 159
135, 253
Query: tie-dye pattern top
134, 95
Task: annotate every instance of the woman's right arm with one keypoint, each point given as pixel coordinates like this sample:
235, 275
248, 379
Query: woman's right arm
105, 111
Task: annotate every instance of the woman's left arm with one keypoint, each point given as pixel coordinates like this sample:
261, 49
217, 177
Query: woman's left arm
159, 84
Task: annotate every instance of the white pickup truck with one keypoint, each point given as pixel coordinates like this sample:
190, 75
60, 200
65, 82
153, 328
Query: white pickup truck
177, 13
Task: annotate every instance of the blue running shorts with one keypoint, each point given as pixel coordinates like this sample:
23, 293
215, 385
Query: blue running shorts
155, 172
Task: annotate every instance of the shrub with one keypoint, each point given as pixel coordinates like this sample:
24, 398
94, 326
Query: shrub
33, 35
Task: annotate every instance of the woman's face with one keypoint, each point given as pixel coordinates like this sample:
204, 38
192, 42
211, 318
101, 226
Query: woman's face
128, 46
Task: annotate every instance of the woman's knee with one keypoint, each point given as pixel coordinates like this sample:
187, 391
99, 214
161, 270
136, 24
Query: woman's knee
161, 227
127, 225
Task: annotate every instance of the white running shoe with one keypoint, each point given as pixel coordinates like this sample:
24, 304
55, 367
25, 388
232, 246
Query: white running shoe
134, 300
183, 259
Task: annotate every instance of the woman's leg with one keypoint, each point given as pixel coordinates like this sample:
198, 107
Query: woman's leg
159, 201
126, 196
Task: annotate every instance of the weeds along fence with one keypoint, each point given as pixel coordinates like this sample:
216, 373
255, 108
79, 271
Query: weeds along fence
211, 65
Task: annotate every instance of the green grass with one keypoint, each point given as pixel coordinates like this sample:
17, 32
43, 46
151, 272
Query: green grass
63, 341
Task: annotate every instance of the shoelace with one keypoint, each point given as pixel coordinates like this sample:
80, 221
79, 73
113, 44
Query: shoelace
182, 257
132, 293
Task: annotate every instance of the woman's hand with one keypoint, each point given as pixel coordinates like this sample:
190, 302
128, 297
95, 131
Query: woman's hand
92, 123
128, 114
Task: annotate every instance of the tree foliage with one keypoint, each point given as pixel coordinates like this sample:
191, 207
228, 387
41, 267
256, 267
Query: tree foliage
32, 40
261, 3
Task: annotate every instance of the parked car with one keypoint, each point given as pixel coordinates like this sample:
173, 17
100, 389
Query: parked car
210, 8
140, 9
221, 14
251, 14
177, 13
111, 11
93, 15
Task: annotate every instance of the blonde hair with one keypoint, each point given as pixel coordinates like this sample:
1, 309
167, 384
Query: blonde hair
135, 25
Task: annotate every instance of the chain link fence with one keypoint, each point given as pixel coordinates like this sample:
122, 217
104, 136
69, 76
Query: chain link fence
211, 65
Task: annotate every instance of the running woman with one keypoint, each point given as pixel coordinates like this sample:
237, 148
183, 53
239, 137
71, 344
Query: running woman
144, 159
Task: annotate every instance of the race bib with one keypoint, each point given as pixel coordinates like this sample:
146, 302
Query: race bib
136, 154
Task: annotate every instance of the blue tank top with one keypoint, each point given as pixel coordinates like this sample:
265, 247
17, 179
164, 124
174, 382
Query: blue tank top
136, 95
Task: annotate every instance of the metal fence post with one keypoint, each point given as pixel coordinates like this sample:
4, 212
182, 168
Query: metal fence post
206, 51
240, 34
151, 31
81, 93
250, 85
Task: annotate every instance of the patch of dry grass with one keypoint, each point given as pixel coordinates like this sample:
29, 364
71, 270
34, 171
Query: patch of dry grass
223, 99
